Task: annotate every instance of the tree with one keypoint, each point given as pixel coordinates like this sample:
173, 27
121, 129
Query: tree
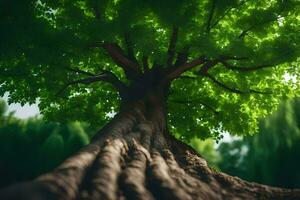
272, 156
204, 67
36, 146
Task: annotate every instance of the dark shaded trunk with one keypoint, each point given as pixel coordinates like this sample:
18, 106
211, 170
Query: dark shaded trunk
134, 157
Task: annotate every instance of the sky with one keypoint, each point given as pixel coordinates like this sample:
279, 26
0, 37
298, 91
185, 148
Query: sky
22, 112
25, 111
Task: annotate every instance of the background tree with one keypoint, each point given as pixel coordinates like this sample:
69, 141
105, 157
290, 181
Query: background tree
35, 145
203, 67
272, 156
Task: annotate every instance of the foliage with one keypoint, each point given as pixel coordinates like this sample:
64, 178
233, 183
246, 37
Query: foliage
271, 157
31, 147
253, 45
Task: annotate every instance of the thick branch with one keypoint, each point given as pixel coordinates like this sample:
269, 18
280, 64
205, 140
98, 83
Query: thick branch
175, 72
130, 67
172, 44
209, 64
234, 90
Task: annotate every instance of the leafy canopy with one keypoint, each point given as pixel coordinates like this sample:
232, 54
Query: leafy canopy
247, 48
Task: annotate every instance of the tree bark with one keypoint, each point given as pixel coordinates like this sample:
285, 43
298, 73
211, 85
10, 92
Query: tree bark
135, 157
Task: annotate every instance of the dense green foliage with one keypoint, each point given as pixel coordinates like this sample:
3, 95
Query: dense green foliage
272, 156
31, 147
254, 44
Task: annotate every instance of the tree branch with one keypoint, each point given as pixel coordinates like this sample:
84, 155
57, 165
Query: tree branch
233, 90
246, 69
210, 16
182, 57
129, 46
221, 17
225, 13
206, 66
130, 67
106, 76
187, 77
172, 45
175, 72
245, 32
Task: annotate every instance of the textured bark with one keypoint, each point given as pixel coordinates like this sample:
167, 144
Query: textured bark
134, 157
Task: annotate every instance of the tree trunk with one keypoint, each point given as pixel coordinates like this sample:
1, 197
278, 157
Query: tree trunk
134, 157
